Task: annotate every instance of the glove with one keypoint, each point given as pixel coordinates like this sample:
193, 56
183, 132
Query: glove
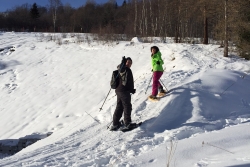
123, 60
133, 91
158, 62
123, 64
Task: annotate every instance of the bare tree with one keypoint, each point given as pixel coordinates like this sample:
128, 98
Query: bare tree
153, 23
54, 4
163, 8
225, 21
177, 26
135, 18
226, 31
205, 40
145, 18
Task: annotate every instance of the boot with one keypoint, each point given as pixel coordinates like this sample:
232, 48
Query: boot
131, 125
152, 97
115, 127
161, 90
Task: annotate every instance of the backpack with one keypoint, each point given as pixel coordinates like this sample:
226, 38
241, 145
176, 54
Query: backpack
116, 75
115, 79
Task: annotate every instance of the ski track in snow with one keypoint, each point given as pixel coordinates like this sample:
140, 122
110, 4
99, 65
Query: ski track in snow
181, 114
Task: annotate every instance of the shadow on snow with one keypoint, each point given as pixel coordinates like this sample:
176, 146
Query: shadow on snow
200, 110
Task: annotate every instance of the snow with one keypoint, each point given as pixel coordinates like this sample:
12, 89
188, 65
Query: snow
136, 40
46, 87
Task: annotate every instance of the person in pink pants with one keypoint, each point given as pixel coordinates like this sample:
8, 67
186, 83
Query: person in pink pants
157, 69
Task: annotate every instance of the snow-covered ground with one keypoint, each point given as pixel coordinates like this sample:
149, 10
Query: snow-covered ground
45, 87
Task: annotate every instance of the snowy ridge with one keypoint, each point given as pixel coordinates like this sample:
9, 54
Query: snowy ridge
60, 89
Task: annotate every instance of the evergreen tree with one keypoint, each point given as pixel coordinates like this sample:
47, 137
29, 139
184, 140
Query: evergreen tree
124, 3
34, 12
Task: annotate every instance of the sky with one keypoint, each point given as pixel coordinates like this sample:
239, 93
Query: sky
9, 4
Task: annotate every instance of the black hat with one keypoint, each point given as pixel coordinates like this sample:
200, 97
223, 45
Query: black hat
128, 58
154, 47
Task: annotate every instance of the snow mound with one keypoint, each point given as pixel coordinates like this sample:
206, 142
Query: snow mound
45, 87
136, 40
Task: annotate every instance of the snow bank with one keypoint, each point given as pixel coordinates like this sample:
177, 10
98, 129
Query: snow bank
60, 88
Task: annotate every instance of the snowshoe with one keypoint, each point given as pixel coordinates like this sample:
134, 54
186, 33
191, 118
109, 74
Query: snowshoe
153, 98
130, 127
162, 93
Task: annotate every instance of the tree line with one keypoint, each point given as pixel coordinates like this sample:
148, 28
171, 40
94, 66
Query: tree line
184, 20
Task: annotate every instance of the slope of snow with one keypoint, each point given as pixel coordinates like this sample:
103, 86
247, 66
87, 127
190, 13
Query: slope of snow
47, 87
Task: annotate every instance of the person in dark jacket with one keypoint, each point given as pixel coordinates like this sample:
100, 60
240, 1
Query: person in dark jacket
125, 87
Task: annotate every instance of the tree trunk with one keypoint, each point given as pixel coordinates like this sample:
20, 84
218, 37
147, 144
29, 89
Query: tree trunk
135, 20
226, 35
144, 19
177, 28
54, 20
205, 40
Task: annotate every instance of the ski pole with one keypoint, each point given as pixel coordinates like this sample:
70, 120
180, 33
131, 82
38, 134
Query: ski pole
149, 83
105, 100
108, 126
163, 85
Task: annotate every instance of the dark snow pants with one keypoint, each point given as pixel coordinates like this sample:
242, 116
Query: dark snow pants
123, 106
